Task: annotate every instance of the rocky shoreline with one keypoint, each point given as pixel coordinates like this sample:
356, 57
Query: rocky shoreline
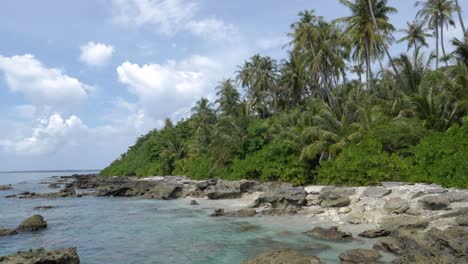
418, 223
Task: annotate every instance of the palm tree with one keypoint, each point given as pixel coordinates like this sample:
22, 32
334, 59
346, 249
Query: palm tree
202, 120
415, 36
259, 76
228, 97
462, 24
294, 78
369, 40
461, 51
437, 14
381, 4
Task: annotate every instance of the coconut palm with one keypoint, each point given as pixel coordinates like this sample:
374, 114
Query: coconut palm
462, 23
437, 14
460, 53
415, 35
259, 76
369, 40
202, 120
228, 97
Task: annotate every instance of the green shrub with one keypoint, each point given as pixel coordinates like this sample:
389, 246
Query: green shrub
442, 158
196, 167
365, 163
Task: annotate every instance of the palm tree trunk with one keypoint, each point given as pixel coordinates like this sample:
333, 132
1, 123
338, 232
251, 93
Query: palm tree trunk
383, 44
437, 45
462, 24
442, 43
370, 78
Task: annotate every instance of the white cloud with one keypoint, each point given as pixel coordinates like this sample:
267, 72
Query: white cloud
164, 88
172, 16
42, 85
272, 42
96, 54
212, 29
48, 136
168, 15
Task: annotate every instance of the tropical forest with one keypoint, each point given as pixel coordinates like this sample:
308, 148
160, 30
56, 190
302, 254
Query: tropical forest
340, 109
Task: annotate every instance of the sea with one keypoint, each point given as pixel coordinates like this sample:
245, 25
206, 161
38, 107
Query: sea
143, 231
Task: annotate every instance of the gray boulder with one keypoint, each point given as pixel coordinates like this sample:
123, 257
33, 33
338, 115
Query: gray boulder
360, 256
331, 233
435, 202
331, 199
223, 190
33, 223
282, 257
376, 192
404, 221
396, 205
41, 256
194, 202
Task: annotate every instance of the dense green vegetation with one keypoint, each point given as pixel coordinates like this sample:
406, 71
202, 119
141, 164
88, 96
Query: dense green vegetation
326, 114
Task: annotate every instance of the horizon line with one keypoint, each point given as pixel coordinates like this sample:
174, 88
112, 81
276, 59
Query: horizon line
28, 171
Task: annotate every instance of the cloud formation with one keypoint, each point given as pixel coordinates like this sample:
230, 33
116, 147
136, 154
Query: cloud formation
41, 85
96, 54
171, 17
48, 136
165, 88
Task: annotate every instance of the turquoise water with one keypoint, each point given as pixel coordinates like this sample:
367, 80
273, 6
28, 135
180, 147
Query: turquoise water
130, 230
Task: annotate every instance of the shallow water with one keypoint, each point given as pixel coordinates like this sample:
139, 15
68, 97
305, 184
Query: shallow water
130, 230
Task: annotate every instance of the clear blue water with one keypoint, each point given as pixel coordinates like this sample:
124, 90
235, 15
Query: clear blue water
130, 230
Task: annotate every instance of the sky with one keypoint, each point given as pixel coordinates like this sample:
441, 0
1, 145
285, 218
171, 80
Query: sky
81, 80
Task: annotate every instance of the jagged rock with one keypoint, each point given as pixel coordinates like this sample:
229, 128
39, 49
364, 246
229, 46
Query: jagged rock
344, 210
331, 199
360, 256
313, 199
373, 233
313, 189
282, 257
341, 191
241, 213
376, 192
435, 202
217, 212
396, 205
11, 196
397, 222
44, 207
331, 233
436, 190
224, 190
283, 198
41, 256
6, 187
457, 196
462, 220
7, 232
194, 202
433, 246
53, 186
280, 211
33, 223
388, 244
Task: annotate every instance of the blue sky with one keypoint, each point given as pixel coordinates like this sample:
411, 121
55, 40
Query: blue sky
80, 80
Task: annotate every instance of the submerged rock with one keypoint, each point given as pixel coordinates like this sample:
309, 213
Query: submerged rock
7, 232
41, 256
360, 256
53, 186
217, 212
194, 202
33, 223
44, 207
331, 233
6, 187
239, 213
282, 257
396, 205
373, 233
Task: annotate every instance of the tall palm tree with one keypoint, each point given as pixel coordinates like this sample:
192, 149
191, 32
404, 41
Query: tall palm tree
462, 24
202, 120
259, 76
380, 4
415, 36
369, 40
461, 51
293, 77
228, 97
437, 14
